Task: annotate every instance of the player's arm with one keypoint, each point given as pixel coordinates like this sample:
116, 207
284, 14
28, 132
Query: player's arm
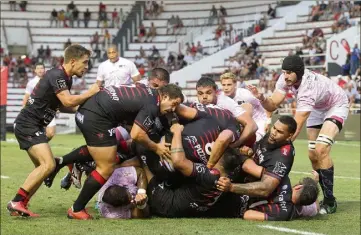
69, 100
99, 83
222, 142
186, 112
136, 78
262, 188
139, 135
269, 103
249, 126
141, 199
300, 117
28, 91
178, 158
100, 75
25, 99
134, 73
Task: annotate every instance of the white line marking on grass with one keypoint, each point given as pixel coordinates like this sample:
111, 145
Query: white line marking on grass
4, 177
337, 177
288, 230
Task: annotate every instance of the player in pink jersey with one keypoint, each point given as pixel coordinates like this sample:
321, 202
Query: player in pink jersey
241, 96
124, 196
324, 105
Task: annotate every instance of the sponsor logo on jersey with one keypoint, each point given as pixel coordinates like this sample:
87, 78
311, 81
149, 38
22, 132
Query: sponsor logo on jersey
61, 83
280, 169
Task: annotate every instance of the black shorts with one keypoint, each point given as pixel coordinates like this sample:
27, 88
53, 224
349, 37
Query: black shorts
276, 211
229, 205
29, 135
98, 130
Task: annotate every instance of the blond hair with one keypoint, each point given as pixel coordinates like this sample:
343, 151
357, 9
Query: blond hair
229, 75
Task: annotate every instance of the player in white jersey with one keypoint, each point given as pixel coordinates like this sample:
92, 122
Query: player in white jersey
324, 105
116, 70
207, 94
241, 96
39, 72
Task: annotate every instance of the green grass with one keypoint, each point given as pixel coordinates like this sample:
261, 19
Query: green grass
53, 203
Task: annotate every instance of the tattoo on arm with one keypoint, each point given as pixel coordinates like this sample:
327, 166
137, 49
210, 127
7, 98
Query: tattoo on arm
261, 188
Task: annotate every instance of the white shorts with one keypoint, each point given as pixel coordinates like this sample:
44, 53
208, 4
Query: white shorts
317, 117
52, 123
261, 124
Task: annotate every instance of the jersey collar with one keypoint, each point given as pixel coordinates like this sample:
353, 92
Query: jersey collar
67, 75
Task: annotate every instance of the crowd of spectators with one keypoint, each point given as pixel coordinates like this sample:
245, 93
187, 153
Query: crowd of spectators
22, 5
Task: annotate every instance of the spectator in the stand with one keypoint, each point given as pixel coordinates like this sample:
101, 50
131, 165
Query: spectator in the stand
61, 18
155, 52
27, 61
142, 52
152, 32
22, 74
315, 13
234, 66
54, 17
76, 17
155, 7
257, 28
188, 47
193, 49
271, 12
86, 17
299, 51
139, 61
179, 23
188, 58
171, 22
68, 43
107, 38
355, 59
347, 66
171, 61
41, 53
95, 40
115, 19
243, 45
212, 15
121, 16
47, 53
103, 18
141, 70
22, 5
223, 11
161, 7
199, 48
180, 62
12, 5
102, 7
254, 44
142, 32
342, 83
71, 6
148, 9
69, 17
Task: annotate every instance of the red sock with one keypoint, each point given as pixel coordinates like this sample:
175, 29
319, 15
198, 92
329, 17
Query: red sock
21, 195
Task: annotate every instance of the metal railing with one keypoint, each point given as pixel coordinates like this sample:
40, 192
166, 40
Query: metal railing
30, 41
6, 49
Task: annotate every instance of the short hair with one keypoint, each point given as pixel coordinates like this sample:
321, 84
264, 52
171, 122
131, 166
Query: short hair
290, 122
229, 75
160, 73
309, 193
39, 64
173, 91
75, 52
115, 47
231, 159
116, 196
205, 82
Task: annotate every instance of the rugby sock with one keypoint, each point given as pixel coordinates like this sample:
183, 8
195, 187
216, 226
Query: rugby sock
21, 195
80, 155
326, 182
91, 186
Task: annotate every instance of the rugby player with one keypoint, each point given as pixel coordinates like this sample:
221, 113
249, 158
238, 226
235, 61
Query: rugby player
97, 119
324, 105
39, 72
50, 94
116, 70
275, 153
241, 96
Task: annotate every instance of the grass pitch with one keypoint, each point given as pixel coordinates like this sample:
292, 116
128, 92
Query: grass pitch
52, 204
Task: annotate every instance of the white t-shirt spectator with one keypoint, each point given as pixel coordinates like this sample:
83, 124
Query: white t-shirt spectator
139, 61
118, 73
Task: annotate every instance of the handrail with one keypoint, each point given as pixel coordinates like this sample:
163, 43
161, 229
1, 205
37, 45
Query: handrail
6, 38
30, 51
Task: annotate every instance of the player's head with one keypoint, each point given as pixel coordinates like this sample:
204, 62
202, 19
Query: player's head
229, 161
293, 69
305, 192
76, 58
206, 91
170, 97
112, 53
159, 77
117, 196
282, 130
39, 69
229, 83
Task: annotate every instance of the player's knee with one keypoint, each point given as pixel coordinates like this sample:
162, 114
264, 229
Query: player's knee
105, 170
321, 152
48, 167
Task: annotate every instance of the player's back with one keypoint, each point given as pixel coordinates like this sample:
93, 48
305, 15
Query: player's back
245, 96
43, 103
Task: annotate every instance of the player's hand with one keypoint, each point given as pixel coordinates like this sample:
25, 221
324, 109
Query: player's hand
224, 184
245, 150
254, 91
140, 199
176, 128
93, 89
315, 175
163, 150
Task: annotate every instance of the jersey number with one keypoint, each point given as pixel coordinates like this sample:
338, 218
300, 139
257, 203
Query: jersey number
208, 148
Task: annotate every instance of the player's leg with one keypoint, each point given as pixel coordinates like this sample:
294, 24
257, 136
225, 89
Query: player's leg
51, 129
43, 155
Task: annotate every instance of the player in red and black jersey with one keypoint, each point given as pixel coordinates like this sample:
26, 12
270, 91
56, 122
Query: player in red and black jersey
50, 94
97, 119
198, 192
275, 154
